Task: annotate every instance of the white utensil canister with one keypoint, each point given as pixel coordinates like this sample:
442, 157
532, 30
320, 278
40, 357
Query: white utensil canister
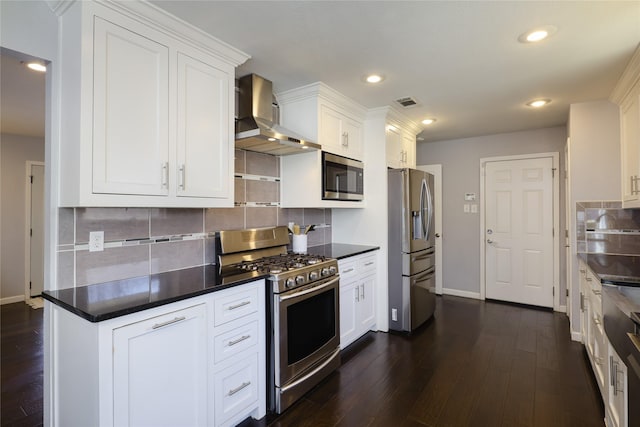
300, 243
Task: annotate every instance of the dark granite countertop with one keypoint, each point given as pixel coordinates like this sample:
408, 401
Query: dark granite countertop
341, 250
620, 270
103, 301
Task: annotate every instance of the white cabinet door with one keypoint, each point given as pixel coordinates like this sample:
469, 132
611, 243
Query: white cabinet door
160, 370
340, 134
203, 141
630, 140
352, 131
130, 112
394, 147
409, 150
236, 390
616, 398
367, 305
349, 293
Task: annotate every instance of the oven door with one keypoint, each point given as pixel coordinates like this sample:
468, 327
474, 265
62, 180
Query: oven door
306, 328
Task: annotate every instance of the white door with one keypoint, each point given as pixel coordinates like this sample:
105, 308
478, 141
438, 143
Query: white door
519, 264
160, 370
203, 142
436, 171
36, 235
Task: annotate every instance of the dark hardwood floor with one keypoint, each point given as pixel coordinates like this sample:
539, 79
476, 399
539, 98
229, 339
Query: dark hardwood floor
21, 358
476, 364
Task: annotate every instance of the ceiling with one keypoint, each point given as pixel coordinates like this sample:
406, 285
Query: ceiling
461, 61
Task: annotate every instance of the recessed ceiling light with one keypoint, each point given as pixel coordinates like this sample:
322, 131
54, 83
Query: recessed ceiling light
537, 34
37, 66
428, 121
537, 103
373, 78
271, 139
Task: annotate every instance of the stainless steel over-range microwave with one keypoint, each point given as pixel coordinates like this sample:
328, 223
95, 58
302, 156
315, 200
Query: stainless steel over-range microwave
342, 178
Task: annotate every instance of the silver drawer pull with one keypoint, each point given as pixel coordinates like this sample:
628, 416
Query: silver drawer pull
367, 264
242, 304
242, 338
589, 279
596, 320
168, 322
348, 270
597, 292
240, 387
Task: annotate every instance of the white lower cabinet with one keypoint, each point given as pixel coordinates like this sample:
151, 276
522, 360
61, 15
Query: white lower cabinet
357, 296
196, 362
159, 367
616, 399
609, 370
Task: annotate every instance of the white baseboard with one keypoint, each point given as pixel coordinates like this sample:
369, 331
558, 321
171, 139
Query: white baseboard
459, 293
576, 336
11, 300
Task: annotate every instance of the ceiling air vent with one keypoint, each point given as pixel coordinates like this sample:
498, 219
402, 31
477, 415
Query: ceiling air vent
407, 101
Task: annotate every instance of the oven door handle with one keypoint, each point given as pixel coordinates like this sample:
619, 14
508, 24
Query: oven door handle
310, 290
312, 373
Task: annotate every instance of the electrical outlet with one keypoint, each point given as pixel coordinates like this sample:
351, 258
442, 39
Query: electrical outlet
96, 241
474, 208
394, 314
465, 208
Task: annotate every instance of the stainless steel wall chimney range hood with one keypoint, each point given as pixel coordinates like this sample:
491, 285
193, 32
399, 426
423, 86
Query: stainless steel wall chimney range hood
256, 127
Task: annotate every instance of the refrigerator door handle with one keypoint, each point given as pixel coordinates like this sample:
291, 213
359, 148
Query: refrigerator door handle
427, 234
424, 276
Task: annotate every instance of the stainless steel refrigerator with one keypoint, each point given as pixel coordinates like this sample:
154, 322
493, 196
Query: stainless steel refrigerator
411, 249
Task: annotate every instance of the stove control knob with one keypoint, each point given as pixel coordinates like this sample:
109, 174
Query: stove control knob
299, 280
290, 282
313, 275
333, 270
325, 271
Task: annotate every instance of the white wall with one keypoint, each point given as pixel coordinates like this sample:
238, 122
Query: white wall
594, 165
15, 150
460, 161
31, 28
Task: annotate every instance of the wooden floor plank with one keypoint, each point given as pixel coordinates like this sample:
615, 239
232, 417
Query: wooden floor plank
478, 363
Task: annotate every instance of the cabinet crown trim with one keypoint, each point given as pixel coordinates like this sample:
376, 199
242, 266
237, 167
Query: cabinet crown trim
629, 78
393, 116
323, 91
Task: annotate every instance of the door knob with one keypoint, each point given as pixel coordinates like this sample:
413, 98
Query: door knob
437, 234
489, 241
489, 231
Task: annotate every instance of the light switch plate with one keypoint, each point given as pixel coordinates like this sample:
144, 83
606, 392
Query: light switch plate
466, 208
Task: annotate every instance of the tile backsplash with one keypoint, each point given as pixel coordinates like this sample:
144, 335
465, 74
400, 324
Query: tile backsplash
604, 227
141, 241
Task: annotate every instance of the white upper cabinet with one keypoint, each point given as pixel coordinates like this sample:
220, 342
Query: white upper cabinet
147, 106
400, 140
325, 116
627, 95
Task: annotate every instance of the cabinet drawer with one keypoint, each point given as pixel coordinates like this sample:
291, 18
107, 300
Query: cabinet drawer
235, 341
347, 269
234, 304
235, 388
367, 264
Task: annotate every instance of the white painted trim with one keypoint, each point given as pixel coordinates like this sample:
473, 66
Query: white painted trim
27, 226
576, 336
459, 293
556, 218
561, 309
11, 300
629, 78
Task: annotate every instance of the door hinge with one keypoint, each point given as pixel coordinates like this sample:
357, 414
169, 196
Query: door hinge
29, 284
31, 232
553, 172
31, 178
553, 291
553, 232
567, 293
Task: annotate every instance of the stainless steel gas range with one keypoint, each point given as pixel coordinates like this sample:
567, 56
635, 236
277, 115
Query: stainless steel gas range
303, 309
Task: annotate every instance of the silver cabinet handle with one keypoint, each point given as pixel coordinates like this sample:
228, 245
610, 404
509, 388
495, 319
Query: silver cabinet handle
239, 340
164, 177
596, 291
182, 177
581, 302
240, 387
589, 279
168, 322
367, 264
345, 139
357, 294
348, 270
242, 304
611, 371
596, 320
361, 291
583, 270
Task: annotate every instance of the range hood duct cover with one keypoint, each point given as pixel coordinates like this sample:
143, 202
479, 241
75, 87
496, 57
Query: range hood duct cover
256, 129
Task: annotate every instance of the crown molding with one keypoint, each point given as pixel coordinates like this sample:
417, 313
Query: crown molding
630, 77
